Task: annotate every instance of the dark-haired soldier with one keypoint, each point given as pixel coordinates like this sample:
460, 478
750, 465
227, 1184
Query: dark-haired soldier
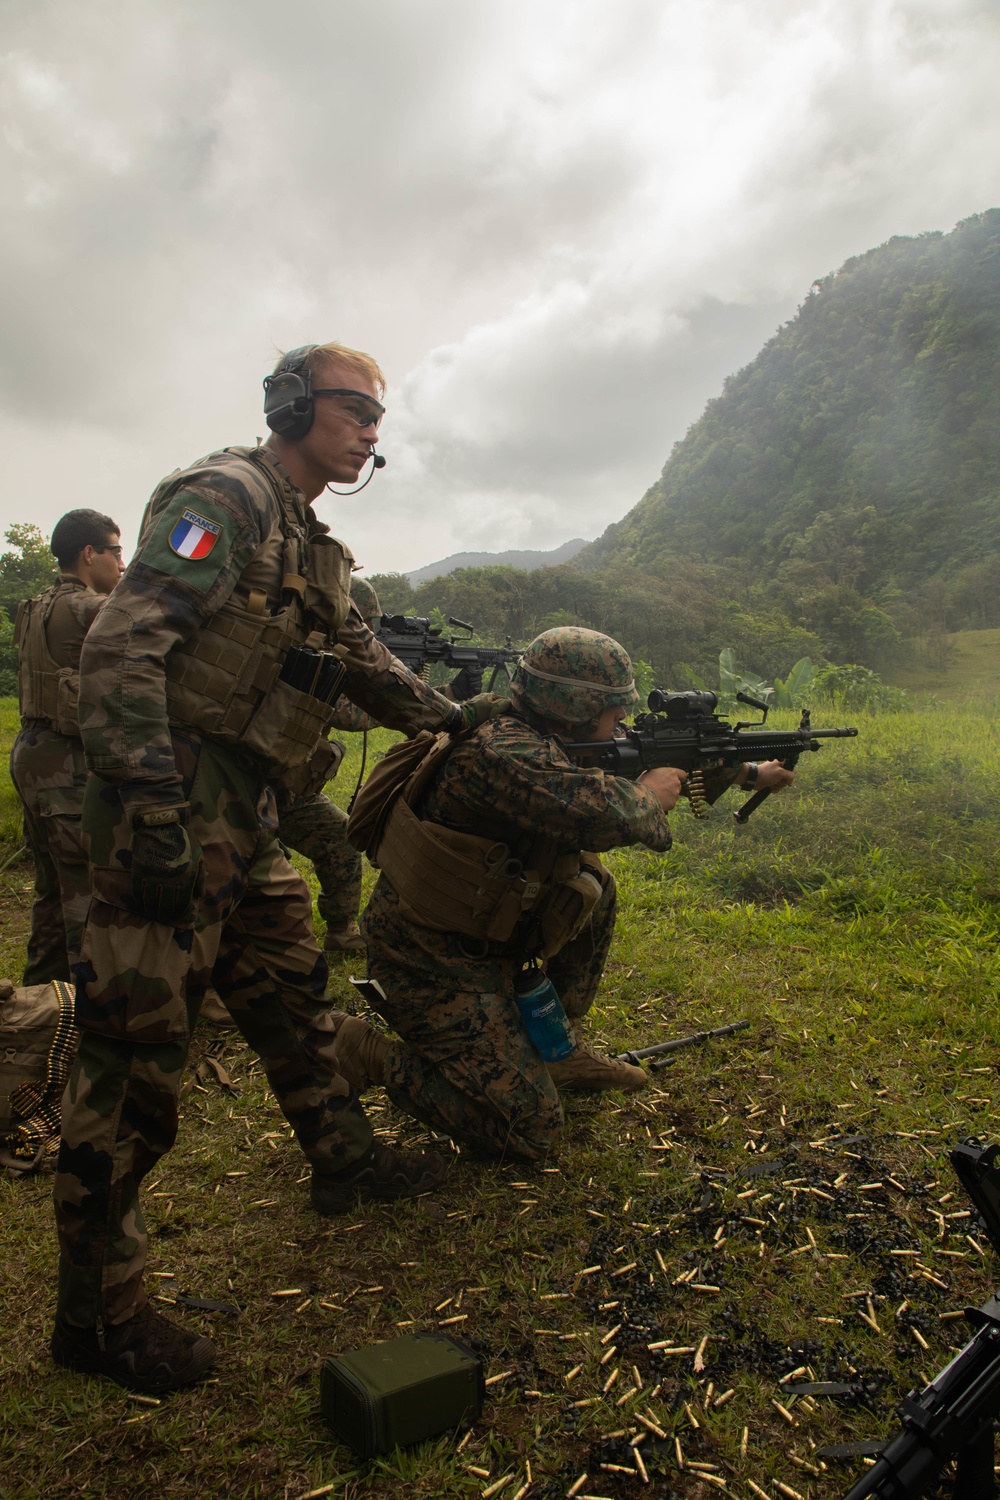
46, 762
205, 680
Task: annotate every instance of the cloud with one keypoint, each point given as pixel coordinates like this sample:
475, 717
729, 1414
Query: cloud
558, 227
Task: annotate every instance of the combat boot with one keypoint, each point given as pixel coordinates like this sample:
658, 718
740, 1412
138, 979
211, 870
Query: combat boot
361, 1053
147, 1353
346, 939
590, 1072
380, 1176
215, 1013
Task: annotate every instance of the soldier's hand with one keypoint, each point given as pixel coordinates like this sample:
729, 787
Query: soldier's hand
476, 711
167, 867
466, 684
665, 782
773, 775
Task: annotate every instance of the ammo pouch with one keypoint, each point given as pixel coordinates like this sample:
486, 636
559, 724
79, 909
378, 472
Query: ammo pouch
47, 691
37, 1041
228, 682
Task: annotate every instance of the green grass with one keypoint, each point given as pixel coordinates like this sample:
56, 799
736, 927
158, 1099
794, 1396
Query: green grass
855, 925
966, 665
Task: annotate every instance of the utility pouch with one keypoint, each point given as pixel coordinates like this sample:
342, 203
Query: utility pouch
328, 581
309, 779
67, 694
401, 1392
568, 907
402, 763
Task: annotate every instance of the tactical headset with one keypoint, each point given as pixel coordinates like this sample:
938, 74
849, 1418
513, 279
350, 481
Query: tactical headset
289, 407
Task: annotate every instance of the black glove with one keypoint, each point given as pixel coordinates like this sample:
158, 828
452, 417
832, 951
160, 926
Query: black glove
466, 683
167, 867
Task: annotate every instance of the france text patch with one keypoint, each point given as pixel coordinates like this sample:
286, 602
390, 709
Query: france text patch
194, 536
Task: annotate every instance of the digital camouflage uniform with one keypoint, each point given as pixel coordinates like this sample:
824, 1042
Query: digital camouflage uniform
48, 769
466, 1067
316, 827
140, 982
313, 825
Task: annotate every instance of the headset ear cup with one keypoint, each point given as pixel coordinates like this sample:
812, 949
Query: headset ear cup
289, 407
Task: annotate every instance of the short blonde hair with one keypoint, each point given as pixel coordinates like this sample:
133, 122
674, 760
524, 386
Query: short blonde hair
354, 359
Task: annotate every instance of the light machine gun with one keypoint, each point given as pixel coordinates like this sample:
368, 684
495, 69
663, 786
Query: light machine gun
953, 1416
417, 643
683, 730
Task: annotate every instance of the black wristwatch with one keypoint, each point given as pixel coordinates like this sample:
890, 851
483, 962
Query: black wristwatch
752, 770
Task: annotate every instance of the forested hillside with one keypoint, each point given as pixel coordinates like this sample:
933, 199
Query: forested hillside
859, 451
840, 498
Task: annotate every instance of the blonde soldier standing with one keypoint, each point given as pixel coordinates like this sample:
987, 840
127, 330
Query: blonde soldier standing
46, 762
203, 680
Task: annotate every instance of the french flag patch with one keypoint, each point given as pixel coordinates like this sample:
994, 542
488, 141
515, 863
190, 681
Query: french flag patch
194, 536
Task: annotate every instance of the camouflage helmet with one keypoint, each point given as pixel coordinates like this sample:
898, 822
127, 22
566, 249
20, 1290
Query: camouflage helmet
365, 601
570, 676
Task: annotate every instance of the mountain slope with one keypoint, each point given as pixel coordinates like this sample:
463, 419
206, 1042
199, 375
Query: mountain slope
861, 446
527, 561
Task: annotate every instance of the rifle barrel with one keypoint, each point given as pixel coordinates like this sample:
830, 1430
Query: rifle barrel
681, 1041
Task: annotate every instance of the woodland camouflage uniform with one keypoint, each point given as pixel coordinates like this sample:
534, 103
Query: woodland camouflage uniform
48, 769
466, 1067
154, 650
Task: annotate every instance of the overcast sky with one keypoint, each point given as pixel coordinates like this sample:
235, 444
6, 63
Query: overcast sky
558, 225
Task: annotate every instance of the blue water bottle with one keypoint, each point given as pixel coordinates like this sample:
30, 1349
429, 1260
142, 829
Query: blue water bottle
542, 1015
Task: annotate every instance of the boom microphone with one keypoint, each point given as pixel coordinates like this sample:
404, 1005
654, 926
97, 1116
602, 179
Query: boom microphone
378, 462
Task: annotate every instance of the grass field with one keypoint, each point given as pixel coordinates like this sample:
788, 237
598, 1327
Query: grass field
779, 1201
970, 667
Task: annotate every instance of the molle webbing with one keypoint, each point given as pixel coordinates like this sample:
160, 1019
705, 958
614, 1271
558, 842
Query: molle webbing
224, 681
46, 691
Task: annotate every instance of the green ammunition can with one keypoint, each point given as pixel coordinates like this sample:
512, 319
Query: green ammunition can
400, 1392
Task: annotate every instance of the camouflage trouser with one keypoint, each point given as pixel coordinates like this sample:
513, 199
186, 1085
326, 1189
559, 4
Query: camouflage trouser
139, 989
467, 1067
49, 773
317, 828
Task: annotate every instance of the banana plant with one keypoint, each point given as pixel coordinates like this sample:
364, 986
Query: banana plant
794, 691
